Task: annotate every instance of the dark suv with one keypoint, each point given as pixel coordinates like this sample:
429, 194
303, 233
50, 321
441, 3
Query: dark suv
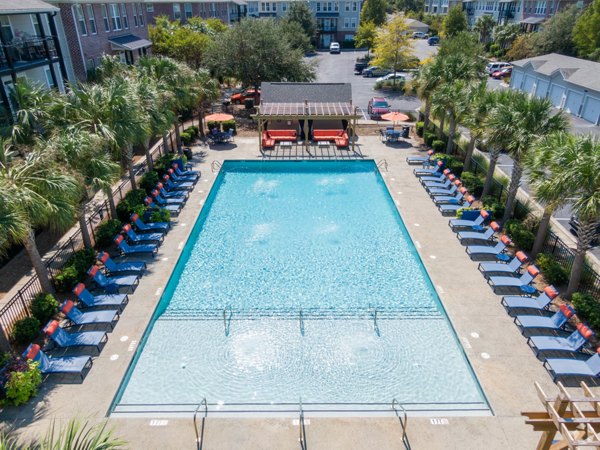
359, 66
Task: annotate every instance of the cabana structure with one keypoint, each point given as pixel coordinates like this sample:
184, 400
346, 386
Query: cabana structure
306, 112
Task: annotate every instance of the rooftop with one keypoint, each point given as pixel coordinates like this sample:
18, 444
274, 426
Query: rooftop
25, 7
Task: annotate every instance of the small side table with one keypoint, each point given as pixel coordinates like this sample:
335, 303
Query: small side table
477, 228
323, 145
503, 257
286, 145
529, 290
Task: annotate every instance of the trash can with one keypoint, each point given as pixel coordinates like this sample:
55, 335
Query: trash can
188, 153
405, 132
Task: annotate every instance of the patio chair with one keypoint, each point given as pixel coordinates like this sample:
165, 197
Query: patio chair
449, 179
451, 208
127, 249
121, 267
76, 317
476, 236
436, 192
90, 300
66, 365
161, 227
170, 185
513, 283
189, 173
436, 178
425, 171
419, 159
179, 180
162, 201
454, 199
183, 195
141, 238
511, 267
462, 223
483, 250
173, 209
555, 322
572, 343
559, 368
113, 284
541, 302
62, 339
228, 136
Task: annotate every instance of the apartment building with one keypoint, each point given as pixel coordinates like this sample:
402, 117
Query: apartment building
226, 11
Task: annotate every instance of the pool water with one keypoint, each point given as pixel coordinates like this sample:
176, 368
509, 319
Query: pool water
299, 281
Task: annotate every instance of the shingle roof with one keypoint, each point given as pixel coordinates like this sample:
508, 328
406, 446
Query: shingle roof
301, 92
25, 6
576, 71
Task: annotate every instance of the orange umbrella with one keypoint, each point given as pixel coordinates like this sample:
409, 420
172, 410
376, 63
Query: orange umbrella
395, 117
218, 117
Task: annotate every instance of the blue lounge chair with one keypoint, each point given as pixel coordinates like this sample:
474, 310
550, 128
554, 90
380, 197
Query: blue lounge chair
170, 185
452, 208
514, 283
63, 339
462, 223
478, 251
113, 284
126, 249
486, 235
90, 300
420, 159
554, 322
179, 195
541, 302
125, 267
425, 171
173, 209
436, 192
512, 267
438, 183
160, 227
565, 367
436, 178
67, 365
178, 180
77, 317
187, 173
453, 199
162, 201
572, 343
141, 238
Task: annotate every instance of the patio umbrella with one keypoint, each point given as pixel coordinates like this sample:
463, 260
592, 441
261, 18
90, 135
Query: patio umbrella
218, 117
395, 117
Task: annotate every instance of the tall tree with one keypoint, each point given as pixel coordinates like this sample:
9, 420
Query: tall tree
557, 34
300, 13
374, 11
586, 33
455, 22
523, 46
480, 103
393, 46
521, 122
504, 35
425, 83
484, 26
366, 36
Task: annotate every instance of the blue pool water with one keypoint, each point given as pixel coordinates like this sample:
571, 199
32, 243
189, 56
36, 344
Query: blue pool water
299, 281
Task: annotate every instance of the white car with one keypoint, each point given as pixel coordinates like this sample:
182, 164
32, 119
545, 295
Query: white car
391, 76
334, 47
419, 35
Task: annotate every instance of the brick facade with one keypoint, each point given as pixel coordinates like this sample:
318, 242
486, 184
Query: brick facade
205, 10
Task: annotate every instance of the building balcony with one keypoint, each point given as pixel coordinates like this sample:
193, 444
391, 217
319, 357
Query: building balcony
327, 30
469, 11
327, 14
23, 53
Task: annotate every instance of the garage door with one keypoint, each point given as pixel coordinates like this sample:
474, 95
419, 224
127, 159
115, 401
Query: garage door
556, 94
542, 88
528, 84
573, 102
516, 80
591, 110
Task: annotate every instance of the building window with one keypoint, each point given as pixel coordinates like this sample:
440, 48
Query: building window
81, 26
284, 6
141, 14
105, 18
36, 25
134, 14
354, 6
540, 7
187, 8
347, 6
115, 17
91, 19
124, 14
176, 11
49, 80
150, 7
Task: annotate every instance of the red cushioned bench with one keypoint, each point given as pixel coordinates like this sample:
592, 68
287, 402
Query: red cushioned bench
340, 137
270, 137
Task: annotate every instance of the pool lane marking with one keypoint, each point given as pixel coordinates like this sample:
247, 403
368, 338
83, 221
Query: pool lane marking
132, 345
158, 291
436, 421
159, 422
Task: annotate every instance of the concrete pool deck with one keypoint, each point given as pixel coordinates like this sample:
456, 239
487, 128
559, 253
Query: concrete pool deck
505, 366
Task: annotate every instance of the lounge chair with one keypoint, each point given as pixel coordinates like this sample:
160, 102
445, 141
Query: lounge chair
572, 343
486, 235
453, 199
486, 250
451, 208
113, 284
127, 249
541, 302
512, 267
162, 201
179, 180
75, 365
436, 171
567, 367
554, 322
122, 267
462, 223
179, 195
436, 178
187, 173
161, 227
420, 159
63, 339
435, 192
170, 185
513, 283
448, 180
173, 209
77, 317
90, 300
141, 238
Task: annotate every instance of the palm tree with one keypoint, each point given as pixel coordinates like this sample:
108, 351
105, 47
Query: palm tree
480, 103
520, 122
484, 26
38, 194
207, 89
457, 108
544, 169
439, 108
504, 35
426, 81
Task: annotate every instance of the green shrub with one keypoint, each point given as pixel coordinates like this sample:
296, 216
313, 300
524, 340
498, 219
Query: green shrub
472, 182
23, 384
229, 125
588, 309
148, 181
186, 138
135, 197
43, 307
520, 235
82, 260
164, 163
126, 206
5, 357
429, 137
419, 129
494, 205
554, 272
389, 85
106, 232
438, 146
192, 131
211, 125
450, 162
66, 279
25, 330
160, 215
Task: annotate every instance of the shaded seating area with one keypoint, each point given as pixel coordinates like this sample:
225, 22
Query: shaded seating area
271, 137
339, 137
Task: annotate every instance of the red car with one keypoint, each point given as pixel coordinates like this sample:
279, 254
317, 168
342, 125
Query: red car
249, 93
377, 107
502, 73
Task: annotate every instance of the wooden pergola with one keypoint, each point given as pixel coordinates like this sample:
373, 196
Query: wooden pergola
304, 112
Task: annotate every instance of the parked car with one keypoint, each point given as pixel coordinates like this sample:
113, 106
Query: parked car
359, 66
433, 40
377, 107
574, 224
241, 97
334, 47
375, 71
419, 35
391, 76
495, 67
502, 73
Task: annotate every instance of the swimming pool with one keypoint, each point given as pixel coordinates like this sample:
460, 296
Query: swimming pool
299, 281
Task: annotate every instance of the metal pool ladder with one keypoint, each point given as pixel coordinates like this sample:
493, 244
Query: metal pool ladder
200, 436
301, 429
403, 421
382, 165
216, 166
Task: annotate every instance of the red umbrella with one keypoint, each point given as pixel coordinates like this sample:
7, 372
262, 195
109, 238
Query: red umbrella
218, 117
395, 117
